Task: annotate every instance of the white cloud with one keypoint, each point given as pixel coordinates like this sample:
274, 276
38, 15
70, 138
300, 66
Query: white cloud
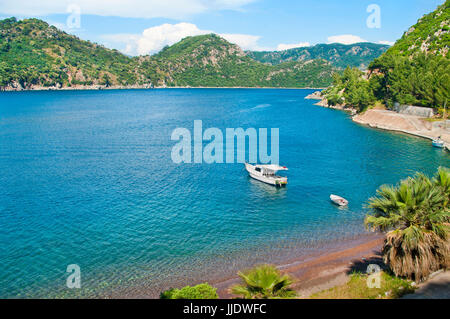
173, 9
64, 27
245, 41
345, 39
155, 38
127, 42
387, 42
283, 46
60, 26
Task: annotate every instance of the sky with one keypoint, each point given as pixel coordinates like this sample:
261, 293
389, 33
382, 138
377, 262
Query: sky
139, 27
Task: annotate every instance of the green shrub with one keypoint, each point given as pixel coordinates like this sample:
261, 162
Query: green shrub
202, 291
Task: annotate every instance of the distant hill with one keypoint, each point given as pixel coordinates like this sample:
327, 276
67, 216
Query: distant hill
34, 54
209, 60
340, 55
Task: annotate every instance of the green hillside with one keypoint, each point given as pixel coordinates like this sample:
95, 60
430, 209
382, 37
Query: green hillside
340, 55
430, 35
415, 71
34, 54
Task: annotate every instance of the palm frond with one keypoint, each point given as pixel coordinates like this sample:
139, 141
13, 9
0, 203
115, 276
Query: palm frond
264, 282
416, 215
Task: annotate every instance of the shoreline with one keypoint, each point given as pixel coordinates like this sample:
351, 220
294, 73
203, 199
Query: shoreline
323, 270
324, 266
111, 88
314, 271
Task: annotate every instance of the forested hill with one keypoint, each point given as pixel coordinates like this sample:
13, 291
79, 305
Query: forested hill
415, 71
209, 60
340, 55
34, 54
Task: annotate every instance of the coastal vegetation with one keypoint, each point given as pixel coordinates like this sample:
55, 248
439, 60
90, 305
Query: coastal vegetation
391, 287
201, 291
264, 282
416, 216
351, 88
415, 71
339, 55
422, 81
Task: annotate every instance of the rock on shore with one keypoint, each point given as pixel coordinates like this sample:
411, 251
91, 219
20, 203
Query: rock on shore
324, 103
315, 96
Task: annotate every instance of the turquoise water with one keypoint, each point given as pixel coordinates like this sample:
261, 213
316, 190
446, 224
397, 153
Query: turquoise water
86, 178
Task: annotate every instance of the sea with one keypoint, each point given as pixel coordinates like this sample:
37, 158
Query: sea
87, 178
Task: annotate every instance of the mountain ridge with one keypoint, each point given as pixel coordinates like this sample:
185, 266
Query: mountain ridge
211, 60
340, 55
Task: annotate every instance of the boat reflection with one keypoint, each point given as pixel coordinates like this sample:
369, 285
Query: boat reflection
266, 189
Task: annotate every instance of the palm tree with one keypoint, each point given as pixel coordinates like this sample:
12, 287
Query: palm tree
442, 180
415, 215
264, 282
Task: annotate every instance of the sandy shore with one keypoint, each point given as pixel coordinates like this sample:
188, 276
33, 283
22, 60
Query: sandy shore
326, 270
410, 124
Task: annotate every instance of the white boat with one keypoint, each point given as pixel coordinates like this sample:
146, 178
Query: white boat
438, 143
338, 200
267, 174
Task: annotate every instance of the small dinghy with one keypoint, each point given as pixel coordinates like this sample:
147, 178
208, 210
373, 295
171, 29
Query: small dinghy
438, 143
338, 200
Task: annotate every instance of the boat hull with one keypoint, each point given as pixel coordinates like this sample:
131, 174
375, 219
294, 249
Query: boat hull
274, 181
268, 180
438, 145
340, 201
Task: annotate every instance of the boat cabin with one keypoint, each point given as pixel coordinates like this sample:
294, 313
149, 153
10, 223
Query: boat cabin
270, 170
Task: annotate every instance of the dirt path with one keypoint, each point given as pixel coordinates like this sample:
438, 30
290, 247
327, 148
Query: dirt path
438, 287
